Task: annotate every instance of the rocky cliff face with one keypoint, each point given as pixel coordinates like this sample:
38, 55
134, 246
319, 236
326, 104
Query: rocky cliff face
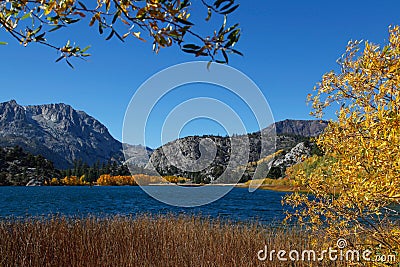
292, 142
58, 132
136, 155
295, 155
306, 128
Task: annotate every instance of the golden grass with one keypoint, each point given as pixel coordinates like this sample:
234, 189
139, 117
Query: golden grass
283, 184
268, 181
142, 241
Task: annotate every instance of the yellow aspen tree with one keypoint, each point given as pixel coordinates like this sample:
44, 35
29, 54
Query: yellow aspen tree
354, 190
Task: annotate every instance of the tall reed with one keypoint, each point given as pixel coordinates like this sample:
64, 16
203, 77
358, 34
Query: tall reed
145, 240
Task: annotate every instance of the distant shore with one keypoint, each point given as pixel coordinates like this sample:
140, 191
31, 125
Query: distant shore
275, 185
279, 188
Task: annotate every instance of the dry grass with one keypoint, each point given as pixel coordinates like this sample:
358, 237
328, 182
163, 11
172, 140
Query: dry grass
142, 241
283, 184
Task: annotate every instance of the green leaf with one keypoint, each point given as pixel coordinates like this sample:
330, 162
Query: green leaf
110, 35
53, 18
231, 28
233, 35
35, 31
226, 6
191, 46
185, 22
119, 37
237, 52
3, 43
40, 37
56, 28
27, 15
230, 10
116, 15
189, 51
219, 2
70, 20
225, 56
58, 59
184, 4
85, 49
82, 5
69, 64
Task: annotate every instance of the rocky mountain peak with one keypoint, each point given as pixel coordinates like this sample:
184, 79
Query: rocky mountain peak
10, 112
58, 132
12, 102
307, 128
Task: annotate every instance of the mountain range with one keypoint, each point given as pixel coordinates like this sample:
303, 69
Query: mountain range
62, 134
58, 132
269, 152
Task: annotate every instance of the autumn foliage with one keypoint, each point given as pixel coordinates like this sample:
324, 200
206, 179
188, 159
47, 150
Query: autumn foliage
176, 180
70, 180
355, 187
163, 23
118, 180
107, 179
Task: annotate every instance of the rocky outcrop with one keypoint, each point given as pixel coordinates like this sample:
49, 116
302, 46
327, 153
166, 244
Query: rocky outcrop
295, 155
34, 182
17, 167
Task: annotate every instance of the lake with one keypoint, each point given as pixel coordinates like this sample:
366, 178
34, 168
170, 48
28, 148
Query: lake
238, 205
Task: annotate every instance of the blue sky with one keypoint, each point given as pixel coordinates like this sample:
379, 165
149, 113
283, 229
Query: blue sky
288, 46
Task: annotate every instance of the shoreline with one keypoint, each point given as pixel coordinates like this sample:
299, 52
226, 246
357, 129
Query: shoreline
277, 188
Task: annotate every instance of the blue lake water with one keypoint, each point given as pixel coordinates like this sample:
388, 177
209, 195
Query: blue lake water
238, 205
